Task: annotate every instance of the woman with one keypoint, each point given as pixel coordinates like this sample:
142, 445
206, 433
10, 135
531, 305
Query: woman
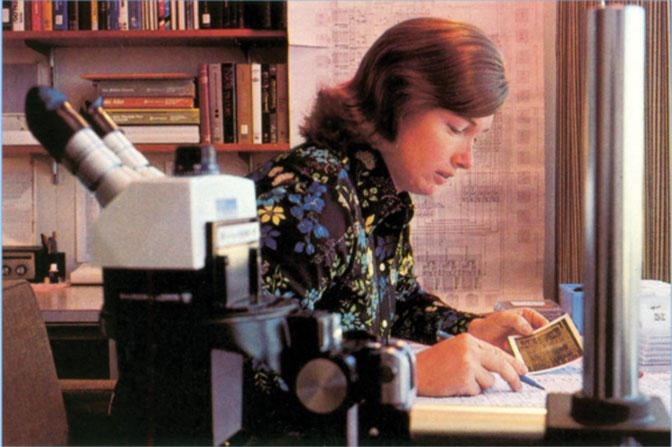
335, 211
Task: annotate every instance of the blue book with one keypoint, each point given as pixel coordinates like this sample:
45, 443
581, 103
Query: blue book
60, 15
113, 14
134, 14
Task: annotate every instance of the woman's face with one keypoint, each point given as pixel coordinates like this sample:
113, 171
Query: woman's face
430, 148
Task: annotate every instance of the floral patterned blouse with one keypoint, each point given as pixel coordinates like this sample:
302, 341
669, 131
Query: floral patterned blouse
335, 235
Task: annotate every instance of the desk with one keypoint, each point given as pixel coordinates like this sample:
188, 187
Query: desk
72, 317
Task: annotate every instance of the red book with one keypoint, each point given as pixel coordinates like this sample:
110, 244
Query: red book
36, 16
204, 103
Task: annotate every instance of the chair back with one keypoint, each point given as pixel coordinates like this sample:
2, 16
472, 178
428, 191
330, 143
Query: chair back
33, 412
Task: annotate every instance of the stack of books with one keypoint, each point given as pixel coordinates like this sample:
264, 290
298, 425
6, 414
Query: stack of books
60, 15
151, 107
244, 103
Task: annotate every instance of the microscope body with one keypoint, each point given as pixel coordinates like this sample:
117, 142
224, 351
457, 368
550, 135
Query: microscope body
180, 260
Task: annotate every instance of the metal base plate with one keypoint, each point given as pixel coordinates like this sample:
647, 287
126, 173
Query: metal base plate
562, 429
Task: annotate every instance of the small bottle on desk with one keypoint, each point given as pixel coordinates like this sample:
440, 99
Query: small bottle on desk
53, 273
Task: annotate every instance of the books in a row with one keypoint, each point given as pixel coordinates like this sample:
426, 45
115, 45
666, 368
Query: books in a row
61, 15
243, 103
151, 107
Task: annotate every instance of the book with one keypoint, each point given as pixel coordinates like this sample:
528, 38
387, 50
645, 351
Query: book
123, 15
141, 102
205, 14
94, 16
27, 15
204, 103
36, 16
169, 134
244, 103
265, 103
6, 15
18, 15
47, 15
282, 104
154, 116
255, 73
85, 20
144, 84
103, 16
229, 101
273, 102
134, 15
73, 16
215, 101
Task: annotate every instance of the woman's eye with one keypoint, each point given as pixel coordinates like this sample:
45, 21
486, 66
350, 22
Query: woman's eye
454, 130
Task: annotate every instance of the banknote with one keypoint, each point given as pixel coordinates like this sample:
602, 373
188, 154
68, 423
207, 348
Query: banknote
550, 346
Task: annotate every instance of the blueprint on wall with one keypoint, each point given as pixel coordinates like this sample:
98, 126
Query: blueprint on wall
481, 238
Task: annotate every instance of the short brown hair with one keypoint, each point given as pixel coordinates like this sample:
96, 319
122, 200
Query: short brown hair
416, 65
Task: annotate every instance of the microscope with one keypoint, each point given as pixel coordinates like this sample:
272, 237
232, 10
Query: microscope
182, 298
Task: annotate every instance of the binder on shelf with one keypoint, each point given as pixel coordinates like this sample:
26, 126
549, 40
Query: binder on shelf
215, 99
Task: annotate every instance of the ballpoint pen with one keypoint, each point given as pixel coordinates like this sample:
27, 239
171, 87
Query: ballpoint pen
531, 382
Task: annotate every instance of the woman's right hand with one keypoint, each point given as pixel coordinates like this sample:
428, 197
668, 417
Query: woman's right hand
464, 365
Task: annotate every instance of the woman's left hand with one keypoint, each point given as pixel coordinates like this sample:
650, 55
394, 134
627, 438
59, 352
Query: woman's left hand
496, 327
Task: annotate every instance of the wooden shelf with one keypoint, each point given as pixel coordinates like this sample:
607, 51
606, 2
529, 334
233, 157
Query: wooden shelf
43, 40
14, 150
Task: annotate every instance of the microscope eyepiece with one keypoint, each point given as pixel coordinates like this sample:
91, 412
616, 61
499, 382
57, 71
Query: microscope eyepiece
69, 139
115, 139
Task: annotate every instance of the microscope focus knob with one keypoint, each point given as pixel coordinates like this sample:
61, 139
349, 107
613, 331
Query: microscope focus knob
322, 385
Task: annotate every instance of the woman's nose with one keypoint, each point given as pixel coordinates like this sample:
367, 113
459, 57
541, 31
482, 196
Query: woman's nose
463, 158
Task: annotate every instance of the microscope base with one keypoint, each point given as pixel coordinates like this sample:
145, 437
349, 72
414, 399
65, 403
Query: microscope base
562, 429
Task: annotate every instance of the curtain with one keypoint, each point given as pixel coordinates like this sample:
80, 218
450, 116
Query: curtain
569, 140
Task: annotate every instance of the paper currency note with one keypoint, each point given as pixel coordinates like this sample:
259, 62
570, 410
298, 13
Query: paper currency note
548, 347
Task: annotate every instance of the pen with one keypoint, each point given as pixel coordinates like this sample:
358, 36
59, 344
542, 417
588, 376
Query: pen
531, 382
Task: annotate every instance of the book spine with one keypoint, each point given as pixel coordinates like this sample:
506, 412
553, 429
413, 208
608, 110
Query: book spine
18, 15
181, 15
204, 103
113, 15
167, 87
154, 116
135, 15
173, 14
84, 15
205, 15
179, 133
6, 15
123, 15
139, 102
215, 84
103, 15
73, 16
94, 15
273, 102
27, 15
36, 16
244, 103
282, 104
256, 102
229, 101
265, 103
194, 14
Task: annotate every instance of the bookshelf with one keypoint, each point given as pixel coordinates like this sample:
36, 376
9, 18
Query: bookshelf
62, 51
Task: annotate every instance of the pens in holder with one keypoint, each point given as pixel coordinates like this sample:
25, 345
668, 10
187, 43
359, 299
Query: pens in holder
531, 382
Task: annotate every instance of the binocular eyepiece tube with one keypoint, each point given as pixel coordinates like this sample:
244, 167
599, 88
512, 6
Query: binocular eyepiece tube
69, 139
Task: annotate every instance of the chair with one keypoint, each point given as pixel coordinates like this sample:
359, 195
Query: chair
37, 407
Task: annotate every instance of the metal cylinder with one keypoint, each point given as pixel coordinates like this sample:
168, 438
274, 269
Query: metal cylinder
614, 185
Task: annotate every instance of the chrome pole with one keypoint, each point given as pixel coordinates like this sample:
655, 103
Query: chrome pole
614, 185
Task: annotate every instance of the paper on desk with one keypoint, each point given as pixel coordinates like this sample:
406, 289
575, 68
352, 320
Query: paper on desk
567, 379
